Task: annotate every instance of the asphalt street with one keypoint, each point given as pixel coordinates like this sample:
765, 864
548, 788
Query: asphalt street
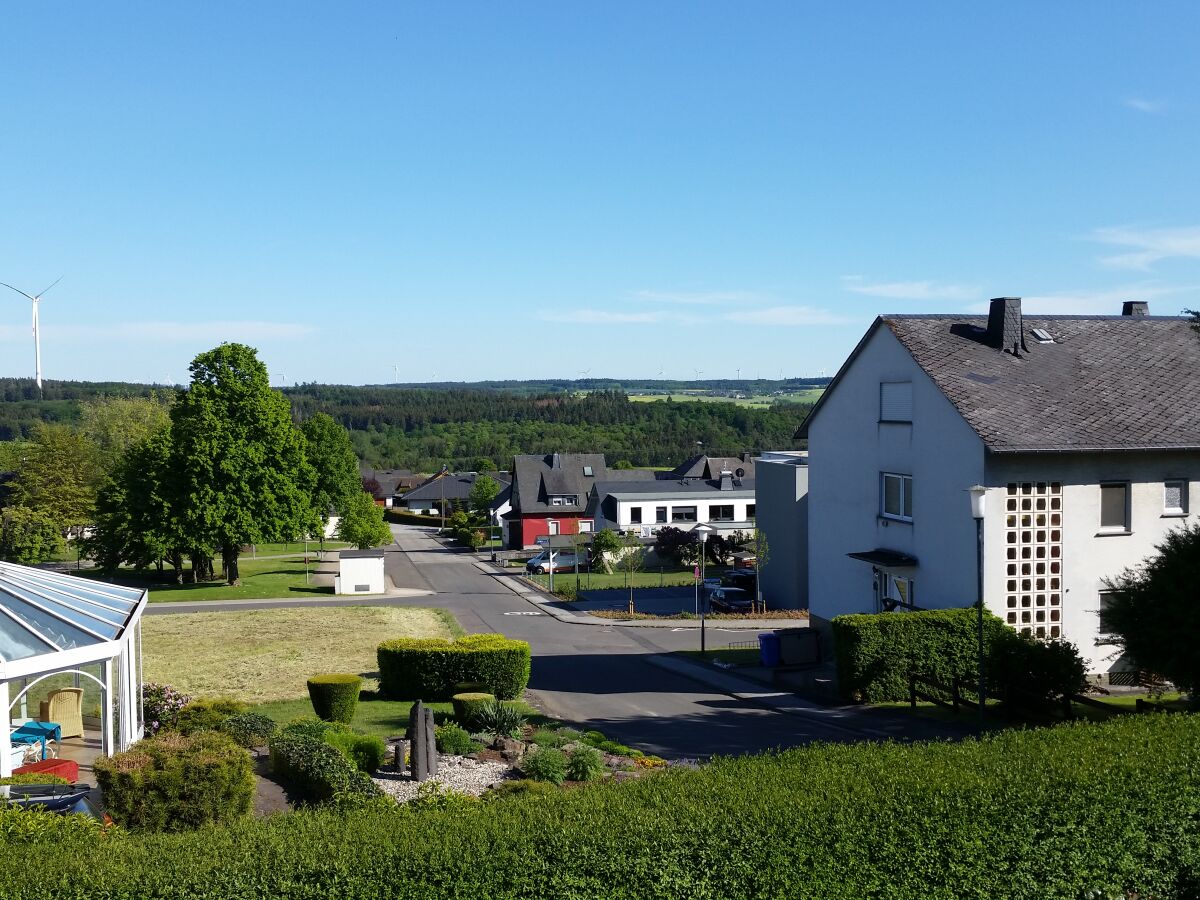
598, 676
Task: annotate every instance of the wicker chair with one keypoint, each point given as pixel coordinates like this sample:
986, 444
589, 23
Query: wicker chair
64, 707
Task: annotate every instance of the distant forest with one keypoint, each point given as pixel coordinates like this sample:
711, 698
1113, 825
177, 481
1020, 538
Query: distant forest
458, 424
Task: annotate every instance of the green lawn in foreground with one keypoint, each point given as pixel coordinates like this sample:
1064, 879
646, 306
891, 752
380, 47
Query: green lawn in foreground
261, 578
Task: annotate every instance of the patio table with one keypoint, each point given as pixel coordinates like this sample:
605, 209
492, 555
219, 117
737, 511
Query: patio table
38, 731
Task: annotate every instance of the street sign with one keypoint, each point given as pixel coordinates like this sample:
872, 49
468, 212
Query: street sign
696, 572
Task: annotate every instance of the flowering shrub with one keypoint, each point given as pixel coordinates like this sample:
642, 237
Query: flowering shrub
161, 705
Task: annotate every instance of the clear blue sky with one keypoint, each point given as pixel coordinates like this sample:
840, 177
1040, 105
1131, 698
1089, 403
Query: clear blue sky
516, 190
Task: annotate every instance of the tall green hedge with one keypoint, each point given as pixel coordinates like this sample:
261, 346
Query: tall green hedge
875, 653
430, 668
1046, 813
175, 781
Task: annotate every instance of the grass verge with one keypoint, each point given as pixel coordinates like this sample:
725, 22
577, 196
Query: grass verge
261, 579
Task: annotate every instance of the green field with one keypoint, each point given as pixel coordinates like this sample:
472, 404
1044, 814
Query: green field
754, 401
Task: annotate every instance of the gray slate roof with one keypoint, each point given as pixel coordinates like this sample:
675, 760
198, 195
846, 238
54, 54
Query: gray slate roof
1108, 383
457, 486
536, 478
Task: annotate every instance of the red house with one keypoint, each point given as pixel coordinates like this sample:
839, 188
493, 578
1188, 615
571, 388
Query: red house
550, 495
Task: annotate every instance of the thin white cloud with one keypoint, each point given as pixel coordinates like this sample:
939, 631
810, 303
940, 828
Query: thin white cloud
1146, 105
1148, 245
209, 332
605, 317
699, 298
911, 290
1105, 302
785, 315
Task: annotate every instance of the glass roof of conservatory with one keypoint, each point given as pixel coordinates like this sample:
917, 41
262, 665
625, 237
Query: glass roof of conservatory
44, 612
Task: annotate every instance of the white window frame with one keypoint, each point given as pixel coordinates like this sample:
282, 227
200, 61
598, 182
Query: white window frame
1100, 613
676, 512
1124, 527
552, 527
585, 526
905, 482
1182, 509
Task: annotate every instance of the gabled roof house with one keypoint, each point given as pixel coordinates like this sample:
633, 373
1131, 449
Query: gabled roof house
1084, 430
550, 495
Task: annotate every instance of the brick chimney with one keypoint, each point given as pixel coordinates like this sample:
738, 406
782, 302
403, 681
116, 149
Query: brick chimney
1005, 329
1135, 308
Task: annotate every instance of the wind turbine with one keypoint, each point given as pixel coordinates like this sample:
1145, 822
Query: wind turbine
37, 335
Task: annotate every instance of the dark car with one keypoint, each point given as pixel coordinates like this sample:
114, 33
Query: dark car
730, 600
739, 578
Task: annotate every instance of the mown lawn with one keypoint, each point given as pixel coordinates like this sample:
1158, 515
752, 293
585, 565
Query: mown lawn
267, 655
655, 577
373, 715
261, 579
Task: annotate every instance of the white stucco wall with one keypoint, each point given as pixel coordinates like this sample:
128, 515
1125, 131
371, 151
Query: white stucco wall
781, 492
360, 575
1088, 555
648, 504
848, 449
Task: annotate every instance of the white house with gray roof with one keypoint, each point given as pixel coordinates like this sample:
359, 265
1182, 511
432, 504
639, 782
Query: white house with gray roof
1085, 431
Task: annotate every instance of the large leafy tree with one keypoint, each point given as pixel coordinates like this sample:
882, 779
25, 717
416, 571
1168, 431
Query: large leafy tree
58, 475
334, 464
362, 523
28, 536
239, 464
115, 424
1153, 614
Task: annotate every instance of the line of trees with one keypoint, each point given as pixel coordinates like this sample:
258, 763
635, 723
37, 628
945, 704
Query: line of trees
194, 476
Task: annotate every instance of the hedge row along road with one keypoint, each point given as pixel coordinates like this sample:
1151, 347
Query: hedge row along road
600, 675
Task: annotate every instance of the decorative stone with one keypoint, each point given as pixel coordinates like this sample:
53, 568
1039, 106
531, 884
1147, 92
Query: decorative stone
431, 751
420, 737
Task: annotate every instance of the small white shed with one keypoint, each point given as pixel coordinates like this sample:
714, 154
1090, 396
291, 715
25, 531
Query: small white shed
360, 572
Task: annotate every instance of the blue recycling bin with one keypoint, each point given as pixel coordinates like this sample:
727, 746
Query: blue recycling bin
768, 649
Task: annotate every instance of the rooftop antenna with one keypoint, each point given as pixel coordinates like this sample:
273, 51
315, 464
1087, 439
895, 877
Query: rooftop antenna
37, 335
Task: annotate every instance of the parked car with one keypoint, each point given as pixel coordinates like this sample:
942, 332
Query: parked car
730, 600
740, 578
563, 562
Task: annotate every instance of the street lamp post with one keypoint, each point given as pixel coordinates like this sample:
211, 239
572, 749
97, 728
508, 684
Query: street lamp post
702, 532
978, 497
442, 485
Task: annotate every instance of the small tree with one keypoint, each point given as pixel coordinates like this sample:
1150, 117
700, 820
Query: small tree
762, 551
362, 523
1153, 614
633, 557
678, 545
483, 492
605, 543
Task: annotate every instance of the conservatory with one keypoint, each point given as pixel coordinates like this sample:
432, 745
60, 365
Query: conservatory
63, 638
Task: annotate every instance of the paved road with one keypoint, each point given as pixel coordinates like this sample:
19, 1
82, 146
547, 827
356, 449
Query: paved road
598, 676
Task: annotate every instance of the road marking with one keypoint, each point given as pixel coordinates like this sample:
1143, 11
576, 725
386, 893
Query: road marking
524, 614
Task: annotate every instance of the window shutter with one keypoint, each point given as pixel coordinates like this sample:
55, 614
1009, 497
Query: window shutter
895, 401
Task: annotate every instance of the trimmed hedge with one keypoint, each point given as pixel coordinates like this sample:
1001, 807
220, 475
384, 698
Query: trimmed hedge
876, 653
207, 715
316, 770
1032, 813
366, 751
249, 730
334, 696
174, 781
429, 668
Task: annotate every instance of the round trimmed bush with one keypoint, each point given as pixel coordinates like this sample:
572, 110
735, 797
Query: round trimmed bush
249, 730
334, 696
467, 707
207, 715
366, 751
173, 782
549, 765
